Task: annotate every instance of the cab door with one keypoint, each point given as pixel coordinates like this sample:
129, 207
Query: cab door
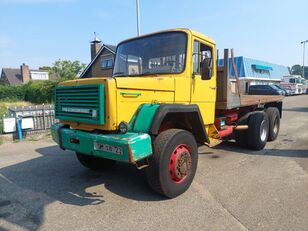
203, 88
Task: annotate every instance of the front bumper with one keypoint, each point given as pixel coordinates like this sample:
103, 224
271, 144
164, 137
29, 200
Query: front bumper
132, 146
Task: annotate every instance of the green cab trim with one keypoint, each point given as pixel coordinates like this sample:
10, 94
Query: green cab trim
129, 147
143, 117
54, 132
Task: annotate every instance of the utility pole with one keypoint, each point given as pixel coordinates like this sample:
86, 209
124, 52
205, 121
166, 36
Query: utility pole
304, 44
138, 17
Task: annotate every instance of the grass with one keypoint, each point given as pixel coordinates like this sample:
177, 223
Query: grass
6, 104
1, 140
33, 138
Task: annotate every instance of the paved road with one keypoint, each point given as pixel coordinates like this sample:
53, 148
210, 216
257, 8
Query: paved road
43, 187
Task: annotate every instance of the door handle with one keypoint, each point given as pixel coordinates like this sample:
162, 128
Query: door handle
130, 94
213, 88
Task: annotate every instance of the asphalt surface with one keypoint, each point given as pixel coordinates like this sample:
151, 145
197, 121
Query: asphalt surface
45, 188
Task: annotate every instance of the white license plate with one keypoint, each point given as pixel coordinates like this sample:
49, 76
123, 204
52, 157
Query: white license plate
107, 148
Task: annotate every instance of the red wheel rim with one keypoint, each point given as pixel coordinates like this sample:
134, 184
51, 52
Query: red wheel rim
180, 164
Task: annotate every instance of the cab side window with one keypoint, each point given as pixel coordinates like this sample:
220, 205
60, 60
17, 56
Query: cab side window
196, 57
202, 59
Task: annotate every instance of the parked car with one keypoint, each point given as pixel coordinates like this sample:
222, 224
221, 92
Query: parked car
265, 90
286, 91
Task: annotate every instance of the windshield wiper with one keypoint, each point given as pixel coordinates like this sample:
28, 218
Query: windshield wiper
148, 73
118, 74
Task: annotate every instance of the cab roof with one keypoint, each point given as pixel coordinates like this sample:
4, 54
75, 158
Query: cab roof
186, 30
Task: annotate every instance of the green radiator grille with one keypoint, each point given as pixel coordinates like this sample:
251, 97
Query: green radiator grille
83, 104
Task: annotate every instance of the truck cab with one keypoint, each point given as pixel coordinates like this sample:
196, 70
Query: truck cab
163, 67
294, 83
163, 100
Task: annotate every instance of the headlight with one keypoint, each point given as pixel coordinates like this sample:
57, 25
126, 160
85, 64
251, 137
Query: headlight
123, 127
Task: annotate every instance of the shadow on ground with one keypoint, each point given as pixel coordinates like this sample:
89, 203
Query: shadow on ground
297, 109
58, 176
232, 146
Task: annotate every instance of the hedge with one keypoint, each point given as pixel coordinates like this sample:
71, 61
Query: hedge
39, 91
10, 93
35, 92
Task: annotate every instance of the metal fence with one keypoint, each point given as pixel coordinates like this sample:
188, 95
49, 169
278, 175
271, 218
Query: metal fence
43, 115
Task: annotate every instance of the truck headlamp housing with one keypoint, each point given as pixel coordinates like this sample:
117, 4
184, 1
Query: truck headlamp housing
123, 127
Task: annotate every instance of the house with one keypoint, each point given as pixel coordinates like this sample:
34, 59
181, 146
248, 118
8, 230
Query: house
22, 75
252, 71
102, 57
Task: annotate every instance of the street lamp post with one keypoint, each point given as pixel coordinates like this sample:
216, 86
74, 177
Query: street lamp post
138, 17
304, 43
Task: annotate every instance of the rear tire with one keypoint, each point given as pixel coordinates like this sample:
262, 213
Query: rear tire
258, 129
274, 122
174, 162
93, 162
241, 135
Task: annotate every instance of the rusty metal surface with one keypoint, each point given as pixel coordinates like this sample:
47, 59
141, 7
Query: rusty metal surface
248, 100
235, 73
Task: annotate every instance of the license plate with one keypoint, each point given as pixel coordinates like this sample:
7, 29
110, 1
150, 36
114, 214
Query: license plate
108, 148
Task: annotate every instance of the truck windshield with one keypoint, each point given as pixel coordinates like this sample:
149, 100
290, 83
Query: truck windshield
162, 53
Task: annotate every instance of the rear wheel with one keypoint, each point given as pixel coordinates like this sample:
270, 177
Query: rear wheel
241, 135
174, 162
258, 129
274, 122
93, 162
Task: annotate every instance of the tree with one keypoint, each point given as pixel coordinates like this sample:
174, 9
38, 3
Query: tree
298, 70
64, 69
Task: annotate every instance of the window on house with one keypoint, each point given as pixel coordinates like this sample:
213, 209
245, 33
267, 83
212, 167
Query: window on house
259, 71
39, 75
107, 62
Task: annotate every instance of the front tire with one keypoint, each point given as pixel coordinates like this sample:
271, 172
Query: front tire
93, 162
174, 162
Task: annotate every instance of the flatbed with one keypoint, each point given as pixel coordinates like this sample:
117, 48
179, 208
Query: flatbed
229, 95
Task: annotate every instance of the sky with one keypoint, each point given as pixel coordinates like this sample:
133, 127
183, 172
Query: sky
39, 32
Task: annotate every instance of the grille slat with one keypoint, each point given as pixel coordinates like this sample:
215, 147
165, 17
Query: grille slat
71, 103
80, 93
76, 97
83, 103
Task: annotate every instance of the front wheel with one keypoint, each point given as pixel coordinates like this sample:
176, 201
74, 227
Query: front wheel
174, 162
93, 162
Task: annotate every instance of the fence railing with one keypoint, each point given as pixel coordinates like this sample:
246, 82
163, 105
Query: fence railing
43, 116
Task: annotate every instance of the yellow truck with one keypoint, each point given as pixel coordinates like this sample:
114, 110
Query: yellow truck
167, 96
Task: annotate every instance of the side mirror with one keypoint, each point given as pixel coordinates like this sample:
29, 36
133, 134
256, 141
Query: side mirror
206, 69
